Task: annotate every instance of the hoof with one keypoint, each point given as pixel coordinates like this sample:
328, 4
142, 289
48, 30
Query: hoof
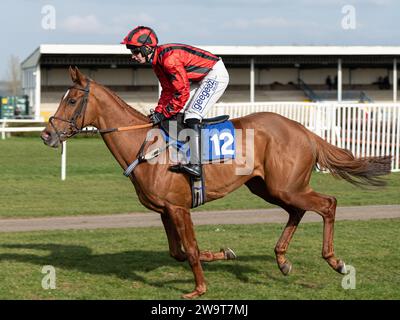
228, 253
286, 268
193, 295
341, 267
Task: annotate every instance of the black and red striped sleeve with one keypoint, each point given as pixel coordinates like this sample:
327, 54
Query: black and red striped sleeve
177, 75
167, 92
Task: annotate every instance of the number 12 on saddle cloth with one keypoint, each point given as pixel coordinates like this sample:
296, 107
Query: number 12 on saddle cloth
217, 143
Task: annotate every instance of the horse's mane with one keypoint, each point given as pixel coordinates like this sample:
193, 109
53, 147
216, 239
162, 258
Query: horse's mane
123, 104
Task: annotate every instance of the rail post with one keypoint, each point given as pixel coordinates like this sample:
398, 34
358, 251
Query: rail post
64, 160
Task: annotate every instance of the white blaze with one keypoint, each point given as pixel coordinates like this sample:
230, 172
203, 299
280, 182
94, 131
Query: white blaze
66, 95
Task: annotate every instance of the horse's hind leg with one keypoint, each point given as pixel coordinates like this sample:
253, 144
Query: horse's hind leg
325, 206
257, 186
295, 216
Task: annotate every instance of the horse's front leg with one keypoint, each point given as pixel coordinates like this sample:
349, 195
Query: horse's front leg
223, 254
175, 245
180, 217
174, 241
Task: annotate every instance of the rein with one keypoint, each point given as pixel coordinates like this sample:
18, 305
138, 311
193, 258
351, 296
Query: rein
119, 129
80, 112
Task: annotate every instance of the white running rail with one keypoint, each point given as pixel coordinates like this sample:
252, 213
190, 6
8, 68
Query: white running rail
371, 129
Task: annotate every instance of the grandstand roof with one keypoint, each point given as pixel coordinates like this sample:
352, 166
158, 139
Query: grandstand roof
231, 50
280, 55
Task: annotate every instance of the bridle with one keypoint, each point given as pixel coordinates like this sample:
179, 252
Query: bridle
80, 112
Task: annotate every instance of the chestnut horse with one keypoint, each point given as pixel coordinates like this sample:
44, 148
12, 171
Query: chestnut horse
285, 153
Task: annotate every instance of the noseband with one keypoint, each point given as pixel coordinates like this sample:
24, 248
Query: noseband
79, 112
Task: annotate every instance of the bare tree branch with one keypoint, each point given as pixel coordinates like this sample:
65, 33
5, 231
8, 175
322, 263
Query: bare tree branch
13, 75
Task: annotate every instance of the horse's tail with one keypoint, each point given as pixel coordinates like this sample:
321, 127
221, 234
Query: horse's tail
342, 163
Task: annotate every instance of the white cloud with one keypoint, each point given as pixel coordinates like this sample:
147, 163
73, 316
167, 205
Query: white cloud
381, 2
327, 3
273, 22
83, 24
133, 20
237, 24
91, 24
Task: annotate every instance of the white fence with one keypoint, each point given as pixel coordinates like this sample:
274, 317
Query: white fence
365, 129
4, 129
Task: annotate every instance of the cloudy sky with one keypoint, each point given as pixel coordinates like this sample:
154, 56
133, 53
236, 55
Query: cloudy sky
26, 24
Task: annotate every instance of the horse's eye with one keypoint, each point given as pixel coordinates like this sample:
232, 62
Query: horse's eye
71, 101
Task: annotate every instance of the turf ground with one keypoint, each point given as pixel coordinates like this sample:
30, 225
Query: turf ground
135, 264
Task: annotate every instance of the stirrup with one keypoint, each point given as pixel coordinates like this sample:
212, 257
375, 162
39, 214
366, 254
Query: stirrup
176, 168
186, 168
193, 170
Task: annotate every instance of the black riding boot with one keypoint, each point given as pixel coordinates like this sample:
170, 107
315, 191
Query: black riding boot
194, 166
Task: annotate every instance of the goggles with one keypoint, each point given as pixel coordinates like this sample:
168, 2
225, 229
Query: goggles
135, 50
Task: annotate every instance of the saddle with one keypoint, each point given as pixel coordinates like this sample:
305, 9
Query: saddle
174, 125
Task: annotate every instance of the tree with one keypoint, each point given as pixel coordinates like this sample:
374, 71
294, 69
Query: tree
13, 77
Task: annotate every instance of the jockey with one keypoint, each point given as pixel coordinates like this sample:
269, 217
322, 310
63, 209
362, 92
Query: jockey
192, 81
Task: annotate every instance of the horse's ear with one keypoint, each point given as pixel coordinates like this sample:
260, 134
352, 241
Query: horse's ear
77, 76
72, 73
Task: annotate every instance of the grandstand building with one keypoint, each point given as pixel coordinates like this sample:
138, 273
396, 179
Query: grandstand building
257, 74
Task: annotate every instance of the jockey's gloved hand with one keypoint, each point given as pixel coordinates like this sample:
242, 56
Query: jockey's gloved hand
157, 117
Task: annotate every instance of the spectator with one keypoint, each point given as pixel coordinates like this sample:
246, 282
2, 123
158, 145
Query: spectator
379, 83
17, 113
386, 83
329, 83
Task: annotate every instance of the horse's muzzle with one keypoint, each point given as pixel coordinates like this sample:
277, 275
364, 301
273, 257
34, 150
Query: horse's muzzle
50, 139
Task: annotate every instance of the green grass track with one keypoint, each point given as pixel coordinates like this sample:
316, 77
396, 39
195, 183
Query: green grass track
135, 264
